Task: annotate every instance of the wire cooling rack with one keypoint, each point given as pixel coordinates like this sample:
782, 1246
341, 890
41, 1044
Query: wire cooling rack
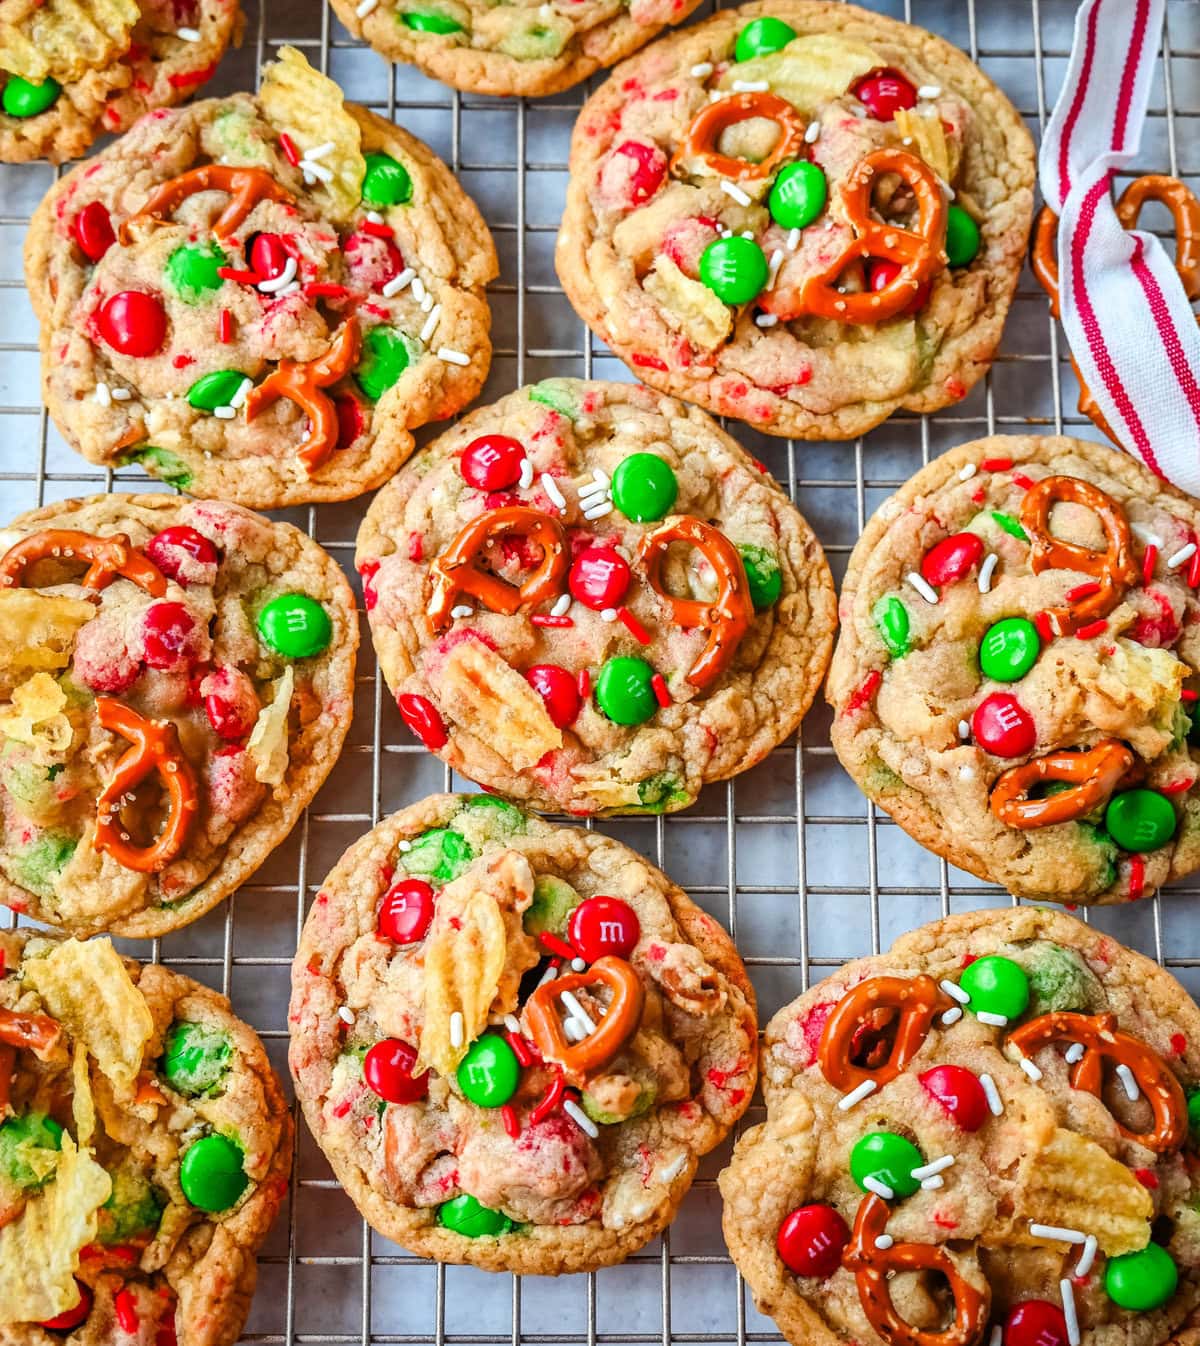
790, 856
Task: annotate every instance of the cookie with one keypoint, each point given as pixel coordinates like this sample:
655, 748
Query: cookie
980, 1135
801, 215
509, 48
145, 1145
512, 1040
70, 73
259, 298
674, 613
1016, 676
176, 683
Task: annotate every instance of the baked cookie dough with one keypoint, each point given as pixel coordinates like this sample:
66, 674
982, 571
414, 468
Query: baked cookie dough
145, 1145
259, 298
70, 73
176, 682
986, 1134
523, 47
674, 615
801, 215
1016, 677
512, 1040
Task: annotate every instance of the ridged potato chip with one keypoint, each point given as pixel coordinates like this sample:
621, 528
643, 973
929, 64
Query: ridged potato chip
64, 39
37, 630
491, 700
928, 140
35, 717
267, 745
310, 108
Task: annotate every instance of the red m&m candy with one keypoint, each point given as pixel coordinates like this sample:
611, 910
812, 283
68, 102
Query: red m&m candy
604, 925
163, 549
1035, 1322
811, 1240
558, 689
958, 1090
884, 93
599, 578
133, 322
350, 420
952, 558
388, 1071
166, 634
406, 912
492, 462
881, 273
421, 716
1003, 726
71, 1318
647, 171
93, 230
267, 256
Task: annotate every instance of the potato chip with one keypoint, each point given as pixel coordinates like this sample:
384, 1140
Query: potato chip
810, 71
86, 987
63, 39
310, 108
928, 139
268, 741
37, 631
491, 700
35, 718
689, 307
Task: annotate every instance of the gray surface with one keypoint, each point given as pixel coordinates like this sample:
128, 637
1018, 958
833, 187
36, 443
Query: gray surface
790, 856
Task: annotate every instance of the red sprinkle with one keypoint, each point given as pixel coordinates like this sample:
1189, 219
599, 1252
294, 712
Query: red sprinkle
996, 464
1082, 591
288, 146
633, 626
551, 1100
864, 694
1146, 1177
225, 327
1092, 629
1176, 787
520, 1048
376, 230
185, 79
416, 546
323, 289
125, 1307
512, 1123
1188, 695
556, 945
545, 619
1193, 575
661, 692
1149, 557
1021, 480
1137, 877
584, 683
649, 361
1041, 621
1178, 1044
242, 277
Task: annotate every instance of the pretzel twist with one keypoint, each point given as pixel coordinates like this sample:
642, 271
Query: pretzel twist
914, 999
1103, 1040
1092, 775
619, 1022
155, 748
246, 188
727, 618
920, 252
1114, 567
301, 382
107, 557
713, 120
456, 571
873, 1267
1185, 212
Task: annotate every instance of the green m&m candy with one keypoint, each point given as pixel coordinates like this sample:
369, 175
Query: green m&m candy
762, 36
214, 390
196, 1058
466, 1216
1142, 1280
425, 22
211, 1174
962, 237
21, 98
192, 273
888, 1159
891, 621
1009, 649
624, 692
1140, 820
644, 487
20, 1140
439, 854
384, 358
1194, 1113
295, 626
734, 269
386, 182
489, 1072
763, 575
997, 986
798, 196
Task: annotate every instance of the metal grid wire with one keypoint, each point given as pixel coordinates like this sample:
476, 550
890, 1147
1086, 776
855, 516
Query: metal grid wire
790, 856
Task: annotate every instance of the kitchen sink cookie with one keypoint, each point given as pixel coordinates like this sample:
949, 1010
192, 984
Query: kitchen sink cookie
71, 72
176, 681
1016, 678
512, 1040
986, 1134
145, 1145
588, 597
259, 298
801, 214
520, 47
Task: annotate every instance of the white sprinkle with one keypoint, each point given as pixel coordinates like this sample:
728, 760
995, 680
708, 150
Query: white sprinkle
525, 480
550, 486
374, 216
561, 604
922, 586
1087, 1257
996, 1020
929, 91
773, 267
1030, 1069
702, 70
397, 283
285, 277
317, 170
750, 86
1075, 1053
955, 992
992, 1094
121, 394
997, 1337
578, 965
309, 176
672, 1170
793, 240
578, 1011
599, 511
288, 289
452, 357
967, 471
732, 189
600, 476
580, 1118
1072, 1318
951, 1016
188, 34
512, 1023
345, 1014
426, 302
964, 730
430, 324
456, 1029
320, 151
1182, 555
1125, 1075
986, 570
811, 132
932, 1184
419, 291
879, 1188
1057, 1232
550, 973
224, 413
573, 1030
608, 614
1141, 531
934, 1166
884, 1241
102, 395
462, 610
239, 398
366, 7
403, 846
765, 320
857, 1094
